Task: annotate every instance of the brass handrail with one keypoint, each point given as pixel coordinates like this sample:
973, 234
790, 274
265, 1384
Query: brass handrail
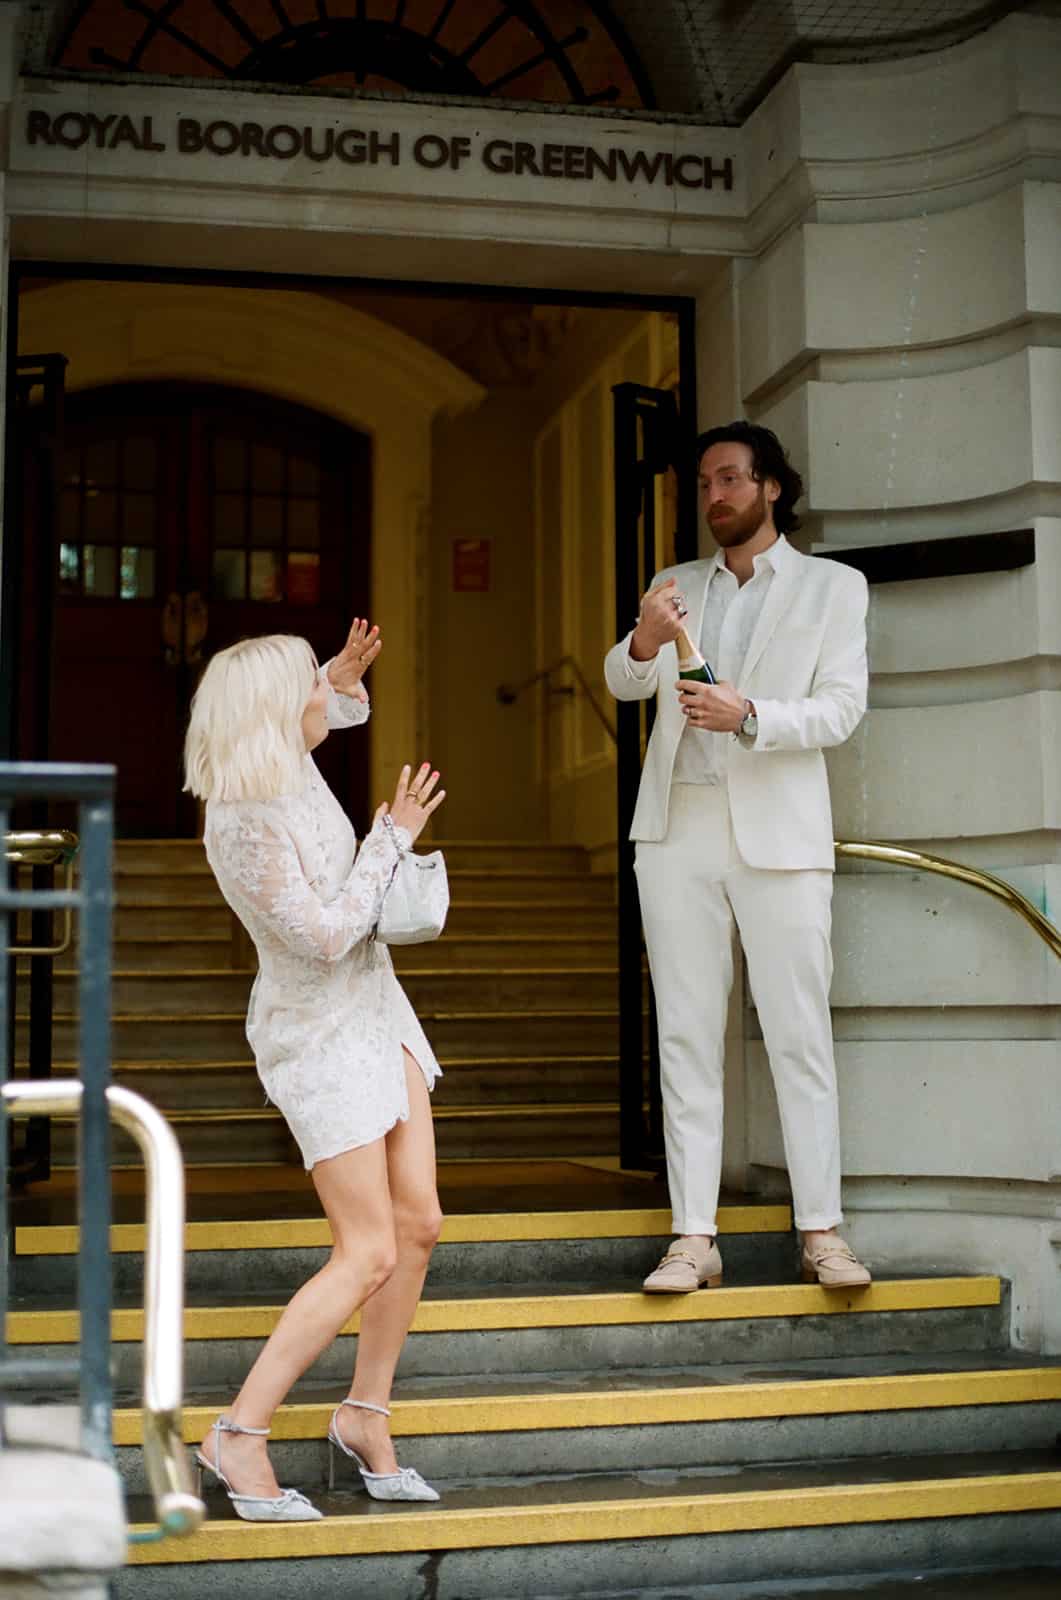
45, 847
178, 1509
507, 693
898, 856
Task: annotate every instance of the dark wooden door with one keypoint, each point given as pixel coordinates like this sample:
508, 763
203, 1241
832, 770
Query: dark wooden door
191, 517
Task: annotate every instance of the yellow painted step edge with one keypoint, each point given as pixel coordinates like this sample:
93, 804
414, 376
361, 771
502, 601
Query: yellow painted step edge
554, 1311
313, 1232
436, 1528
611, 1408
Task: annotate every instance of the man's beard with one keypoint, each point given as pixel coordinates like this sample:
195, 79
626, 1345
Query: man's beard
740, 526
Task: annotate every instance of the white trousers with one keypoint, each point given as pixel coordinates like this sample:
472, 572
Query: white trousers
693, 886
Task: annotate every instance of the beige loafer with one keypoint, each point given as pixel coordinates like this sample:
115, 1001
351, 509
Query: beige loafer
689, 1264
833, 1265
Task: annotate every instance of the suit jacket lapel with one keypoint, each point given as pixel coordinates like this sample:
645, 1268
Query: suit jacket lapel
774, 608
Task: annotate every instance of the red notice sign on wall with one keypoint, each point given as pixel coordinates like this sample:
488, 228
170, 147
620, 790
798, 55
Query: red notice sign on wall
471, 566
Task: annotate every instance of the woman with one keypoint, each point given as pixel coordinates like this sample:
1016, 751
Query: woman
335, 1040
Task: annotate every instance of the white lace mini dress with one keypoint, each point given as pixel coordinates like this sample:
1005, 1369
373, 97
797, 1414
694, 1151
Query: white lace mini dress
327, 1017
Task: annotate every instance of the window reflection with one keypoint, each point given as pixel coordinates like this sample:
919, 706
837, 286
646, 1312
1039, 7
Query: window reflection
137, 573
265, 576
69, 569
265, 520
100, 565
108, 518
303, 577
229, 575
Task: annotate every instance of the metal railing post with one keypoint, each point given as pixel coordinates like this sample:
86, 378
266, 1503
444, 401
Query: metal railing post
177, 1508
92, 788
6, 965
94, 1179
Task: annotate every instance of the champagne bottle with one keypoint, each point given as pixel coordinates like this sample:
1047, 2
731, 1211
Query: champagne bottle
691, 663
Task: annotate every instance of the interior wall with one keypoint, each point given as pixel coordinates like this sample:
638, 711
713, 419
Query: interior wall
574, 509
481, 476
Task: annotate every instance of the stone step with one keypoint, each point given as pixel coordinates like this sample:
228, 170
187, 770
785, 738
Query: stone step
222, 1036
544, 917
215, 950
169, 919
557, 1423
630, 1531
984, 1583
510, 885
185, 919
210, 949
251, 1257
461, 1132
176, 993
231, 1085
157, 857
556, 1327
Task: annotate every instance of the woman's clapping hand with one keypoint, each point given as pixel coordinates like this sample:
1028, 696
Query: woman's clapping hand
414, 799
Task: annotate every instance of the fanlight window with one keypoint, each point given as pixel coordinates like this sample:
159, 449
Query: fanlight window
567, 51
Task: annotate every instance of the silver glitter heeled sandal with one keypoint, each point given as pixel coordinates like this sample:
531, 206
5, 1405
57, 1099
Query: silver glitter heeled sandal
289, 1506
405, 1484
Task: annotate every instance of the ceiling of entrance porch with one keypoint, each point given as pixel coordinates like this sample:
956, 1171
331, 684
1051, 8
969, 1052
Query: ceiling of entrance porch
501, 343
713, 59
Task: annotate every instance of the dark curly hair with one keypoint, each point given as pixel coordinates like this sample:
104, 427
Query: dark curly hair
769, 460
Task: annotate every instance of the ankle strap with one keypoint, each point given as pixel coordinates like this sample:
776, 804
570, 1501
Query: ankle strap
223, 1425
365, 1405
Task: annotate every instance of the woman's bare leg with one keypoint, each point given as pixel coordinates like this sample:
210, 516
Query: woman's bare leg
385, 1318
354, 1192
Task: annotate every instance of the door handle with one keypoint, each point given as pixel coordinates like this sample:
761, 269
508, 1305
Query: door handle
185, 619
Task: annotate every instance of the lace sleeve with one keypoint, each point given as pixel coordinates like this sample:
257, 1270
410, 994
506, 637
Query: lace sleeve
253, 855
345, 710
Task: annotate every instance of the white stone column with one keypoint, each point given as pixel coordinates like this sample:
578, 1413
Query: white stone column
900, 330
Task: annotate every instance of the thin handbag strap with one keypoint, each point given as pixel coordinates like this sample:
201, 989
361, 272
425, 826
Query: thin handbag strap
393, 833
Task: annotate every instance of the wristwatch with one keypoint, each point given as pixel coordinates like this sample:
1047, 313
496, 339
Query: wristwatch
749, 728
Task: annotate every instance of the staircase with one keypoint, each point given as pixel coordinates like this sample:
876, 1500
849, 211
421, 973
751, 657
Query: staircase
588, 1439
519, 999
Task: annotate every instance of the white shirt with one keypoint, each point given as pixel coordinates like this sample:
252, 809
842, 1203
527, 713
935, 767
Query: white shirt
731, 611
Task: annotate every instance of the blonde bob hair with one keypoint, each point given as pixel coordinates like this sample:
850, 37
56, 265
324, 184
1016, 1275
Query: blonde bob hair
245, 734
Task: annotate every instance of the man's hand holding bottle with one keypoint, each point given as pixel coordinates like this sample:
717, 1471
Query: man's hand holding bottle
711, 706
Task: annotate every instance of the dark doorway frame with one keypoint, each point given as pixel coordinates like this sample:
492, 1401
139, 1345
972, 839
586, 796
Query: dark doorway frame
641, 1134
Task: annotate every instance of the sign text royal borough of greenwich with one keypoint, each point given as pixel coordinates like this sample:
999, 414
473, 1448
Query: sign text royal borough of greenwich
350, 146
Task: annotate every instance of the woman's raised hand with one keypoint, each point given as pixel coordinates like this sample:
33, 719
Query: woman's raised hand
363, 645
414, 799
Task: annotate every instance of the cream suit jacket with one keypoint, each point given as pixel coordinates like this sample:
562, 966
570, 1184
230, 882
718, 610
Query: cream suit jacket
805, 669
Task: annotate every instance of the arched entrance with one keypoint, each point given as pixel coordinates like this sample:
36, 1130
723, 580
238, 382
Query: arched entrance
307, 351
191, 516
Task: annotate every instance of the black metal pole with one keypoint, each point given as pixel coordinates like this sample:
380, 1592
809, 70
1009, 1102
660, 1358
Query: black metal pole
628, 773
48, 447
687, 540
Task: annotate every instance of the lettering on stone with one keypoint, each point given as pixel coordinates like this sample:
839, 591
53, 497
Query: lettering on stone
283, 141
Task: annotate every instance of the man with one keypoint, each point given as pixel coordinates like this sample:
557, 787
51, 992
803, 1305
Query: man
733, 823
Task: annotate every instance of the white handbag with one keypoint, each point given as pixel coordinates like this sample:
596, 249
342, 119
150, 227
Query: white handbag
417, 897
